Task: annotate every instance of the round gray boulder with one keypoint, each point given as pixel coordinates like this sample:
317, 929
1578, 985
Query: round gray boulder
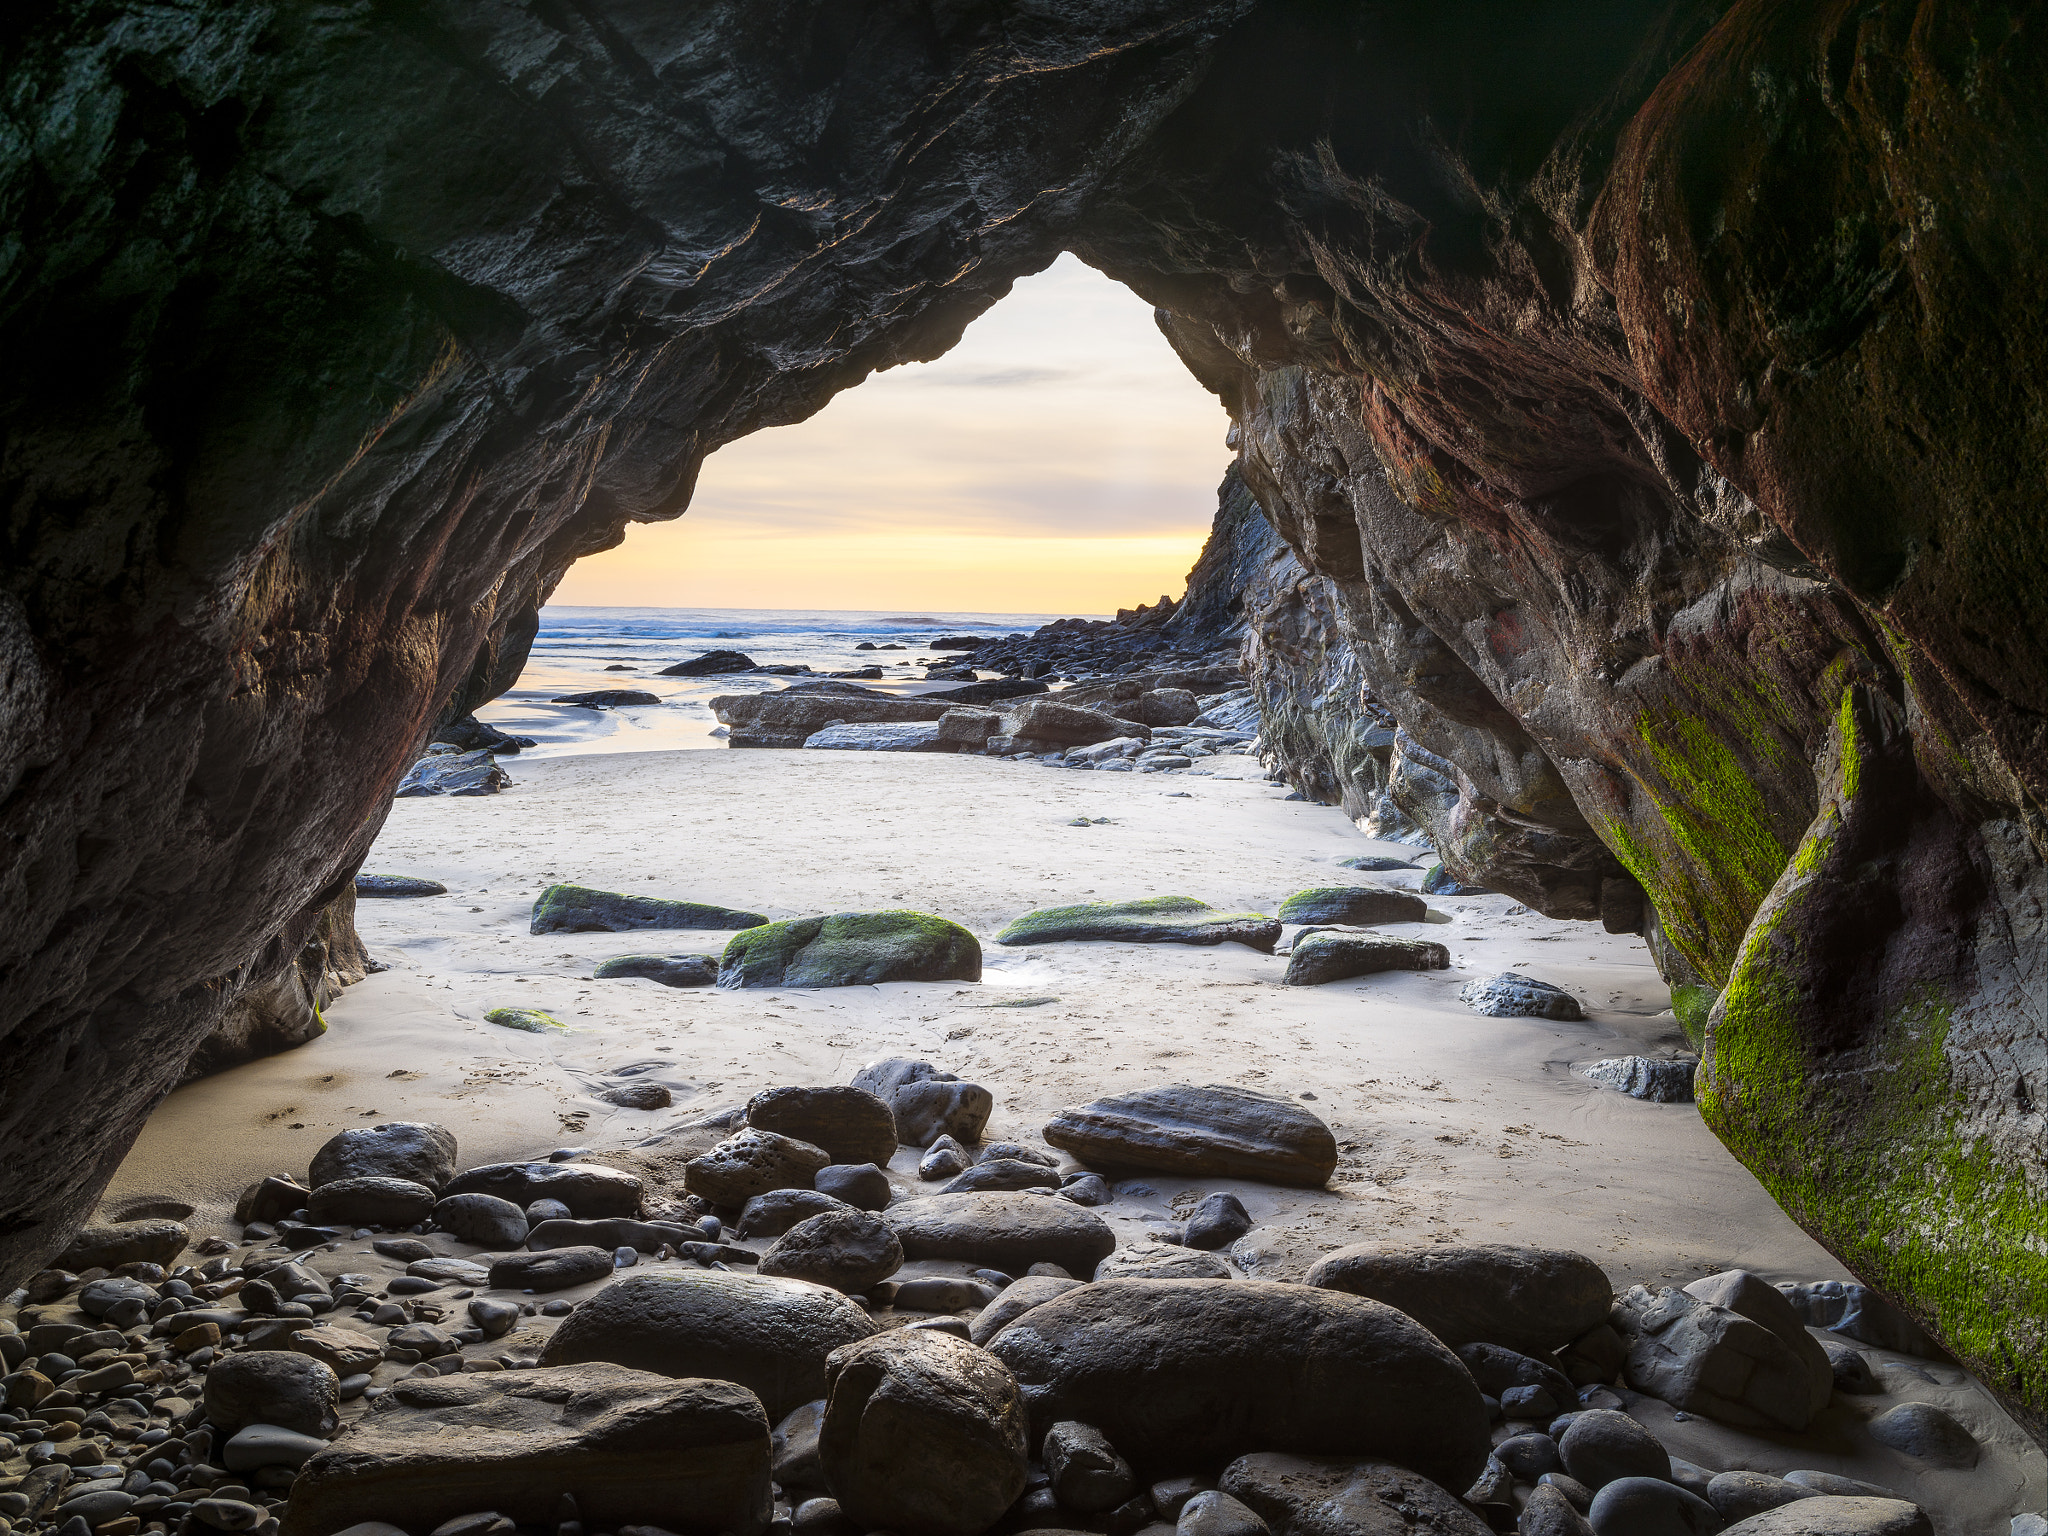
371, 1201
851, 1124
849, 1250
484, 1220
273, 1386
397, 1149
1533, 1300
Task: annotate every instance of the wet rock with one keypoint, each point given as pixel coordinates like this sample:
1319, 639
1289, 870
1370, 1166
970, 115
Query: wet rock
396, 887
924, 1434
852, 1124
1646, 1506
1333, 1496
1710, 1360
1013, 1302
397, 1149
1926, 1433
580, 909
1837, 1517
1365, 905
1650, 1078
774, 1213
792, 717
1326, 956
861, 1185
453, 773
608, 698
1009, 1232
589, 1190
1218, 1129
849, 1250
156, 1241
636, 1448
1738, 1495
555, 1270
1601, 1445
1533, 1300
669, 970
1179, 1372
1162, 1261
273, 1386
770, 1335
710, 664
371, 1201
1153, 920
610, 1233
851, 949
752, 1163
1003, 1173
1512, 995
1217, 1222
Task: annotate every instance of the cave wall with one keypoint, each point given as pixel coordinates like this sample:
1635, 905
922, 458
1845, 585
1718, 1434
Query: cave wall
1654, 388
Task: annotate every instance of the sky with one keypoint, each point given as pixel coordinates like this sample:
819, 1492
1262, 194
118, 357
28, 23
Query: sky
1060, 459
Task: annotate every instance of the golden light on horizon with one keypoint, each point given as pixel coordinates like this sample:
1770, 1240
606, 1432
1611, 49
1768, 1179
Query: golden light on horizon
1059, 460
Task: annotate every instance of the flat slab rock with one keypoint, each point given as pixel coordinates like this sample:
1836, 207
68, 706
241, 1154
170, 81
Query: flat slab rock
581, 909
851, 949
397, 886
1511, 995
1009, 1232
1364, 904
1533, 1300
1327, 955
1330, 1494
691, 1456
1650, 1078
1154, 920
669, 970
1218, 1130
879, 736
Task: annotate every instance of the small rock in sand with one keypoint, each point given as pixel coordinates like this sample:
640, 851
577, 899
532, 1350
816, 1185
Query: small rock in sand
1327, 955
1601, 1445
1162, 1261
1009, 1232
927, 1103
1927, 1433
1006, 1173
273, 1386
1512, 995
1650, 1078
1217, 1222
945, 1158
589, 1190
669, 970
1835, 1516
529, 1021
570, 908
861, 1185
1648, 1506
1332, 1495
155, 1241
1086, 1474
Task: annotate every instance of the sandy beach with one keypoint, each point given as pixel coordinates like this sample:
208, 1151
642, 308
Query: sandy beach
1452, 1126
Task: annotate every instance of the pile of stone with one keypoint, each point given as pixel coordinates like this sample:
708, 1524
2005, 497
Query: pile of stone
789, 1339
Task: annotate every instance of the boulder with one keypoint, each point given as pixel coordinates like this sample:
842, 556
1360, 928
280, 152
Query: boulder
397, 1149
484, 1220
271, 1199
1007, 1232
1162, 1261
1655, 1079
774, 1213
710, 664
926, 1104
580, 909
794, 1448
1003, 1173
273, 1386
1534, 1300
610, 1233
851, 949
1164, 706
861, 1185
158, 1240
608, 698
1828, 1516
342, 1350
1500, 1370
1215, 1513
688, 1456
371, 1201
1182, 1373
852, 1124
1013, 1301
1083, 1469
396, 887
1067, 725
453, 773
1193, 1131
1512, 995
1763, 1303
880, 736
1926, 1433
1649, 1506
1601, 1445
848, 1250
1738, 1495
752, 1163
557, 1269
1857, 1312
1327, 955
924, 1435
587, 1189
772, 1336
791, 717
1712, 1361
1329, 1496
1552, 1512
1217, 1222
968, 728
1365, 905
669, 970
1152, 920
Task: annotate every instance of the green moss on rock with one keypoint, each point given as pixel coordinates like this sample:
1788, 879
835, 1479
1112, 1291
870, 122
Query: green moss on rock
581, 909
1692, 1004
851, 949
531, 1020
1150, 920
1363, 904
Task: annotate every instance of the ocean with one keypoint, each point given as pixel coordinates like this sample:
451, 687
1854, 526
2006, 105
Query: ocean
577, 646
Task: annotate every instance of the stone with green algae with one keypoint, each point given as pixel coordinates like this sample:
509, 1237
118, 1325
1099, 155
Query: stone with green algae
851, 949
581, 909
531, 1020
1366, 904
1153, 920
1327, 955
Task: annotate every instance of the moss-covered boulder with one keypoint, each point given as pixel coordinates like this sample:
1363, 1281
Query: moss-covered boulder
580, 909
669, 970
1154, 920
851, 949
1331, 956
531, 1020
1366, 904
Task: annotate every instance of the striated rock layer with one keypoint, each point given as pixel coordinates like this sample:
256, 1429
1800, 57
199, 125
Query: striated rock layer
1654, 404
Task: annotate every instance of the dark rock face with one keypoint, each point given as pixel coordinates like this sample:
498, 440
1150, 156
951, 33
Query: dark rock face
1662, 442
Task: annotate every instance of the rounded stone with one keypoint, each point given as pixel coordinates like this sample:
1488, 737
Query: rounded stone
557, 1269
273, 1386
774, 1213
849, 1250
752, 1163
1648, 1506
1009, 1232
861, 1185
371, 1201
1928, 1433
485, 1220
1533, 1300
1601, 1445
397, 1149
851, 1124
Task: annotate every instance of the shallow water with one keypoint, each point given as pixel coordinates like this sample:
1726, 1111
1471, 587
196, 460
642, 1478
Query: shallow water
576, 646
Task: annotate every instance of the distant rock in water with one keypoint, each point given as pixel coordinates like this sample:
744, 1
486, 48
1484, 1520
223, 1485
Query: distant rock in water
710, 664
669, 970
869, 674
1512, 995
398, 885
959, 642
453, 773
608, 698
580, 909
993, 692
851, 949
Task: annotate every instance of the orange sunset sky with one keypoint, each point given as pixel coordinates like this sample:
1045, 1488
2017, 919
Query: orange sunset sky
1059, 460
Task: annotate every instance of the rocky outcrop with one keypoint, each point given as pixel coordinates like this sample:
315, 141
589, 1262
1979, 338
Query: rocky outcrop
1655, 404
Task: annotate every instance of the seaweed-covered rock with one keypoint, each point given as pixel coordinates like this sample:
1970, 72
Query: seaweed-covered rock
1364, 905
669, 970
397, 886
1218, 1129
528, 1021
636, 1449
851, 949
1152, 920
580, 909
1512, 995
1326, 956
1534, 1300
1003, 1231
